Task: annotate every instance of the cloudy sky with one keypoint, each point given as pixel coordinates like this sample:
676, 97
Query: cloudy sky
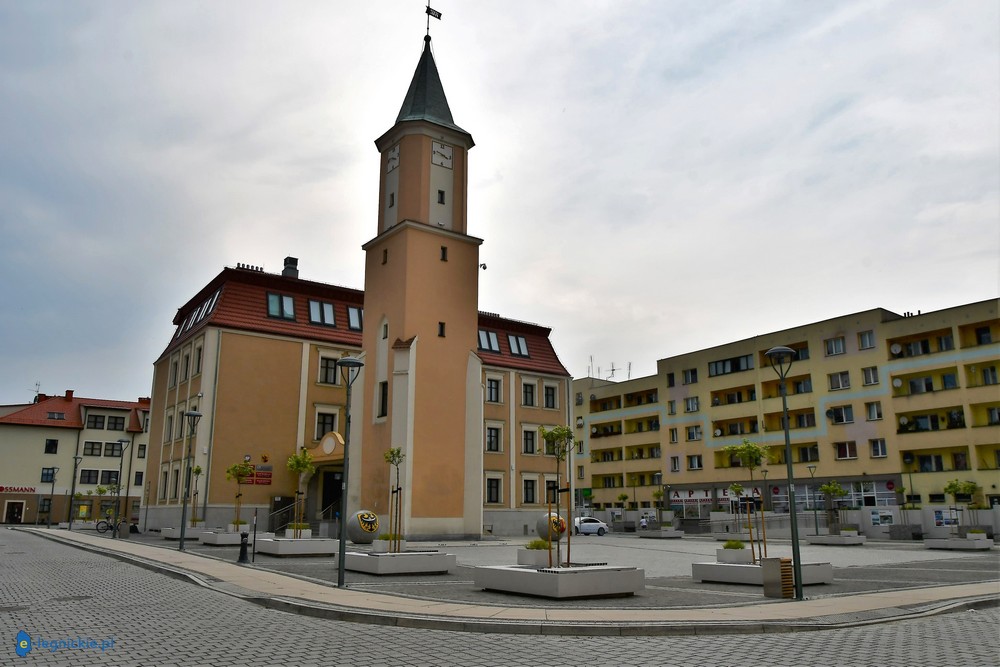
650, 178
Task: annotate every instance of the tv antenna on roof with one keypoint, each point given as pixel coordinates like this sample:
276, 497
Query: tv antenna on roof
612, 371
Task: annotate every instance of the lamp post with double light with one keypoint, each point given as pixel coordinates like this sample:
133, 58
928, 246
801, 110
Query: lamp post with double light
192, 417
350, 367
781, 361
123, 445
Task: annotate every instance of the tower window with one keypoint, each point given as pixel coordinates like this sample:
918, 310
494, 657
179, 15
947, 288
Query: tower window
383, 399
441, 329
444, 253
392, 199
385, 255
440, 196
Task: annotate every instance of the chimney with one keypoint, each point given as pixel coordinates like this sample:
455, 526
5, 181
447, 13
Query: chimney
291, 267
69, 394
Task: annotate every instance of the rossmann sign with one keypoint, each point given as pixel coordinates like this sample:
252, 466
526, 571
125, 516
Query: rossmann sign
17, 489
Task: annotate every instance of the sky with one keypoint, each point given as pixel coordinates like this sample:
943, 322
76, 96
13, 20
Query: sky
649, 178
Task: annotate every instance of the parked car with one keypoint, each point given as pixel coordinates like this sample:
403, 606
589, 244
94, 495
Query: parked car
588, 525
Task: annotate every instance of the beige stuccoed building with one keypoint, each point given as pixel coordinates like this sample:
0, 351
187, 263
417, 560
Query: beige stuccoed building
462, 393
891, 406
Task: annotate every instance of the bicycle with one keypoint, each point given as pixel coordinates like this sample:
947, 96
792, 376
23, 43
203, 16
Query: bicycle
104, 525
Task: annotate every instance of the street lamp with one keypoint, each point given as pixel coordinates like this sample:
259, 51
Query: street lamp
781, 361
350, 367
193, 417
72, 491
812, 475
52, 493
124, 444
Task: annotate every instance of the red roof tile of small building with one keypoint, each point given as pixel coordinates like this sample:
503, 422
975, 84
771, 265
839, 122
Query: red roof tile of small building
542, 357
72, 408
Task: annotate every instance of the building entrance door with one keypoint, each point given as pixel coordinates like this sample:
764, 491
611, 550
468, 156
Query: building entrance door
13, 511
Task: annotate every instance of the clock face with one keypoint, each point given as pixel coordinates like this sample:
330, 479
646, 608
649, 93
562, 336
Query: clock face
441, 154
392, 158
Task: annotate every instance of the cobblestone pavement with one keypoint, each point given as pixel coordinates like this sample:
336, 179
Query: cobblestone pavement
55, 592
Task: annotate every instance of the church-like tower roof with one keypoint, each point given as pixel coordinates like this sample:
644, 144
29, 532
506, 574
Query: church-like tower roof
425, 99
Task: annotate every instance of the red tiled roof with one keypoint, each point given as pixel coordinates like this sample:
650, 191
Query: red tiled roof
542, 357
242, 304
36, 414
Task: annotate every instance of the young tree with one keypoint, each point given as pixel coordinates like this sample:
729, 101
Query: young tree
559, 443
300, 464
955, 488
238, 472
831, 491
751, 455
394, 457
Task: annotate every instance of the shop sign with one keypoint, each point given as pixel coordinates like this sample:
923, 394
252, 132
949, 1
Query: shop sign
17, 489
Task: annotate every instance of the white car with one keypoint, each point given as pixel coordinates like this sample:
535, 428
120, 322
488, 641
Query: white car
588, 525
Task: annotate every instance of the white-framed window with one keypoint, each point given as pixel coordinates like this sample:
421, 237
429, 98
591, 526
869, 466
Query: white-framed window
328, 371
842, 414
993, 416
672, 407
803, 386
494, 438
809, 453
494, 488
690, 375
675, 464
529, 491
527, 393
691, 404
488, 341
990, 375
945, 343
518, 346
834, 346
841, 380
846, 450
580, 472
870, 375
694, 432
494, 390
673, 435
529, 443
873, 410
325, 423
550, 394
805, 420
694, 462
866, 340
877, 446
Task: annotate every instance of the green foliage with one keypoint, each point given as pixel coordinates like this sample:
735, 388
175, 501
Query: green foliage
957, 488
558, 441
394, 456
736, 489
749, 453
238, 472
101, 490
833, 489
390, 536
733, 544
537, 544
196, 471
301, 463
622, 497
298, 525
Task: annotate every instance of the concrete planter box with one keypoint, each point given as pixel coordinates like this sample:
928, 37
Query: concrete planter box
286, 547
975, 536
959, 544
230, 539
722, 537
812, 573
734, 556
838, 540
663, 534
404, 562
592, 581
175, 534
382, 546
303, 534
536, 557
233, 528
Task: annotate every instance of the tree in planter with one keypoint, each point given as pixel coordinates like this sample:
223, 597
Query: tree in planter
238, 472
394, 457
751, 455
831, 491
559, 443
955, 488
196, 471
658, 498
101, 491
300, 464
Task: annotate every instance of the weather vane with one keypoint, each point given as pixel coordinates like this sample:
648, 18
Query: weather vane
431, 12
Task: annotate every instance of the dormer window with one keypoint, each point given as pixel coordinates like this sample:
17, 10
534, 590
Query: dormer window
518, 346
488, 341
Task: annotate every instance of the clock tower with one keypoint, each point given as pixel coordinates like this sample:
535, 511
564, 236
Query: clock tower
422, 381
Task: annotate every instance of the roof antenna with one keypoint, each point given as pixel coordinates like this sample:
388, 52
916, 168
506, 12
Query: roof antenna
431, 12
